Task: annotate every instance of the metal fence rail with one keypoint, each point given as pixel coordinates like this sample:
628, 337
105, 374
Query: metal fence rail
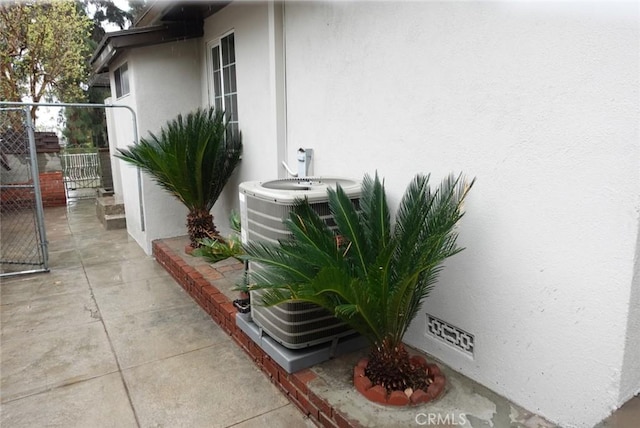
23, 246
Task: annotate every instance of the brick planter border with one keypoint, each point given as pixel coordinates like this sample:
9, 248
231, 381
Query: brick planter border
200, 284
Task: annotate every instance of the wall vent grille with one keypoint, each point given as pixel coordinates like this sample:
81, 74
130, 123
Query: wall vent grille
450, 334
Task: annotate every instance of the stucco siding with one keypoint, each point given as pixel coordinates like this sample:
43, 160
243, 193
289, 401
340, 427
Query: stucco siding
164, 80
122, 135
538, 101
250, 24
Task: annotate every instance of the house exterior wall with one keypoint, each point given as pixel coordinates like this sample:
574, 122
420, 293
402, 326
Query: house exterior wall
630, 375
115, 162
121, 135
164, 81
538, 101
173, 77
255, 78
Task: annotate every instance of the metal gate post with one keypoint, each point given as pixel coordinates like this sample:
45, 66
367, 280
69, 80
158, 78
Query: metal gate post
36, 188
25, 241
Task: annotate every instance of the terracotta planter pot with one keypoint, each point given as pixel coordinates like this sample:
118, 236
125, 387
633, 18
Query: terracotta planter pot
380, 395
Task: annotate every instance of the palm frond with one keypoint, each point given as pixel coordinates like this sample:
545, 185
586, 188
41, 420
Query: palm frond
375, 214
192, 157
348, 223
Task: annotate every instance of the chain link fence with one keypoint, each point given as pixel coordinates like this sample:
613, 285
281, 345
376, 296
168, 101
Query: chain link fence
22, 236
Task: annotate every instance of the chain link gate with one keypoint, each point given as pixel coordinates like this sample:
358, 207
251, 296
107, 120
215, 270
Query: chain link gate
23, 244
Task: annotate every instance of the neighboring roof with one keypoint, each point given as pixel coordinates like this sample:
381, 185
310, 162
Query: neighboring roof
161, 22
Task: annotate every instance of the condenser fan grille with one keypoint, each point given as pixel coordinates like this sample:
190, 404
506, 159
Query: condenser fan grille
294, 325
266, 219
297, 325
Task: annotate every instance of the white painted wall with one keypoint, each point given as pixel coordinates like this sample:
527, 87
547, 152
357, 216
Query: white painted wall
115, 162
170, 78
257, 110
164, 81
630, 375
539, 101
121, 135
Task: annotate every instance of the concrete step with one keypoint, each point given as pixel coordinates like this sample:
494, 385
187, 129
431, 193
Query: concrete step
104, 192
108, 205
110, 213
114, 209
115, 221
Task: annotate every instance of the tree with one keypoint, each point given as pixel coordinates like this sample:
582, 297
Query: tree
88, 127
193, 158
369, 274
43, 51
106, 11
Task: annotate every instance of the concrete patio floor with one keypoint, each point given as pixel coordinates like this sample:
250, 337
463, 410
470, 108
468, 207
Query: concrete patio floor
109, 339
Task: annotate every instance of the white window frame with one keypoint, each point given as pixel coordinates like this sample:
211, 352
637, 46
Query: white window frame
226, 92
123, 86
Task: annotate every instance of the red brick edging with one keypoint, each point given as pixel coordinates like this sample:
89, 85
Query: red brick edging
378, 394
200, 284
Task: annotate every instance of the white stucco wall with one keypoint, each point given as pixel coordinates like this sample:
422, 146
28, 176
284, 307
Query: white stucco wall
164, 81
256, 94
115, 163
539, 101
121, 135
630, 375
170, 78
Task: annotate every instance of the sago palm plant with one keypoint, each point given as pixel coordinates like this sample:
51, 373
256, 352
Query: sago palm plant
368, 273
193, 158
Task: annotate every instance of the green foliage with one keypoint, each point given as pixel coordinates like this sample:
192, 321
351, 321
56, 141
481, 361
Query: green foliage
368, 273
192, 157
105, 10
215, 250
87, 127
234, 220
43, 50
136, 8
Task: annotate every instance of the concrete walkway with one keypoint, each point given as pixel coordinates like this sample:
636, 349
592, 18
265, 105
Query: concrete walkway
108, 339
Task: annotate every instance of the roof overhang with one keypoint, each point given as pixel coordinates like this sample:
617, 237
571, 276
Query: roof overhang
116, 42
161, 22
174, 11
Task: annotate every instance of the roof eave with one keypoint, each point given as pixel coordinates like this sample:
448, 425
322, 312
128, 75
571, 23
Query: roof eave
113, 43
